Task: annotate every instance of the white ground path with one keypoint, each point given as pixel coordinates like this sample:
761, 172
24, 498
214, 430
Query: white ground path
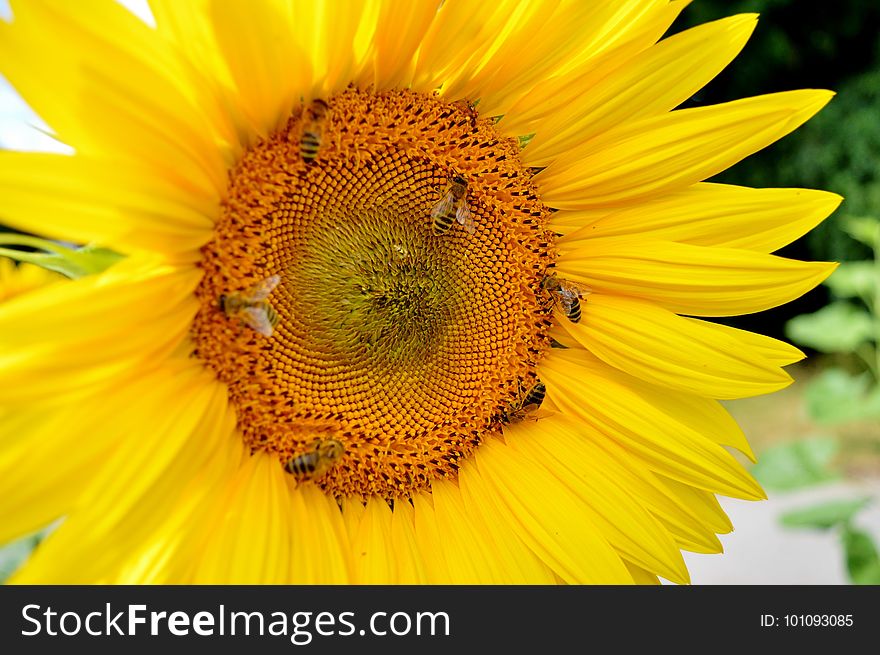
760, 551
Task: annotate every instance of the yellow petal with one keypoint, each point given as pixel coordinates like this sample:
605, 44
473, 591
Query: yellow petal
510, 553
156, 538
552, 94
49, 453
251, 529
705, 504
554, 38
187, 26
708, 214
88, 329
467, 543
686, 279
705, 415
106, 85
329, 34
428, 535
515, 24
656, 345
166, 554
548, 517
411, 568
398, 31
669, 152
617, 23
352, 512
267, 66
21, 278
655, 81
460, 32
118, 204
320, 553
556, 444
640, 575
372, 553
149, 455
627, 414
685, 524
773, 350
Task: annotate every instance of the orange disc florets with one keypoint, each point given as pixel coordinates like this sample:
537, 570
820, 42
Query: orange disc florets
400, 338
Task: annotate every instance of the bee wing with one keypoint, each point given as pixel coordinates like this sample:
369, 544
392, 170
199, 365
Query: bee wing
463, 216
570, 290
566, 299
444, 206
258, 319
538, 414
262, 289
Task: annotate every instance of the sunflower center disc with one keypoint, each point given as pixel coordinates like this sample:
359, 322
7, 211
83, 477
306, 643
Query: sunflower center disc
399, 342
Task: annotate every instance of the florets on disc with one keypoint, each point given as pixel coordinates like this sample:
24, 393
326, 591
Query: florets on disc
402, 341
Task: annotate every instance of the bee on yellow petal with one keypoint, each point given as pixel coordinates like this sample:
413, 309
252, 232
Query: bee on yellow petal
566, 294
526, 406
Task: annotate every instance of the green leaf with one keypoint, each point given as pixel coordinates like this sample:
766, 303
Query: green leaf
71, 262
835, 396
824, 516
862, 560
797, 464
854, 280
863, 228
524, 140
14, 554
836, 328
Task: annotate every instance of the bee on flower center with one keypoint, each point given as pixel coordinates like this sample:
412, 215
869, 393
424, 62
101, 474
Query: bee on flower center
452, 206
310, 139
470, 109
312, 464
250, 306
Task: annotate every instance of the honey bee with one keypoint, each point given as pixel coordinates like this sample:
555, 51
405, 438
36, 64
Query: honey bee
470, 109
313, 121
524, 406
250, 306
453, 207
311, 465
567, 294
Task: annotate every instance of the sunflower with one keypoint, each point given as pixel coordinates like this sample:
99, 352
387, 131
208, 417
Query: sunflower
15, 280
413, 292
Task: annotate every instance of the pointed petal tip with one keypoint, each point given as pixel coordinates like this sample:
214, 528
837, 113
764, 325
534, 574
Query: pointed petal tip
746, 18
826, 268
816, 99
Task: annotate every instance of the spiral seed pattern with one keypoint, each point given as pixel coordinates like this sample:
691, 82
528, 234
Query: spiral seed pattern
402, 344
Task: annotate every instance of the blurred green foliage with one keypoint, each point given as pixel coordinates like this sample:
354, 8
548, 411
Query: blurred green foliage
850, 325
809, 462
797, 464
862, 559
798, 44
825, 515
